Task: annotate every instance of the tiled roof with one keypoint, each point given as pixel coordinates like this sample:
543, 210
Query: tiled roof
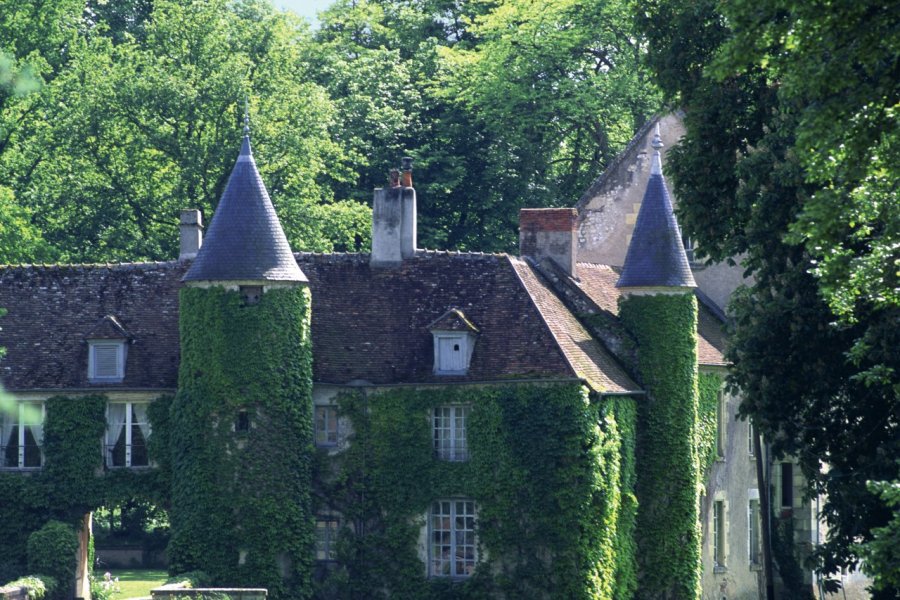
598, 282
245, 240
656, 254
367, 324
107, 328
51, 310
585, 355
373, 324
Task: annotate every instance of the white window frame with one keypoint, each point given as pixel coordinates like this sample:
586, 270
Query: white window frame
720, 535
754, 529
721, 425
450, 431
466, 346
330, 525
109, 443
20, 425
444, 550
331, 417
93, 345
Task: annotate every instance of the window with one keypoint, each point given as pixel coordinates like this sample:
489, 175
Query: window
22, 436
106, 361
721, 423
127, 431
250, 294
451, 354
787, 485
718, 536
450, 424
452, 538
242, 422
753, 532
326, 425
327, 528
750, 436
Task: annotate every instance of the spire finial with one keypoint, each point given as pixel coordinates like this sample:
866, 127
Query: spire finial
246, 116
656, 161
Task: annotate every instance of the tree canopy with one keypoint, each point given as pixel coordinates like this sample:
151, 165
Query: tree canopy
139, 105
789, 166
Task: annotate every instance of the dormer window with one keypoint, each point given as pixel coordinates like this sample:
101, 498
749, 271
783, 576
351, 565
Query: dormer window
106, 361
454, 342
107, 345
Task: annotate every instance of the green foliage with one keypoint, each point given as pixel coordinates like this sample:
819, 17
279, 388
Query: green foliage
72, 481
709, 386
40, 587
789, 160
784, 553
881, 555
249, 494
52, 550
668, 531
550, 472
190, 579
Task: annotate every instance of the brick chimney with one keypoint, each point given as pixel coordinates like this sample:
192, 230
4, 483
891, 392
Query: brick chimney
191, 233
549, 233
394, 219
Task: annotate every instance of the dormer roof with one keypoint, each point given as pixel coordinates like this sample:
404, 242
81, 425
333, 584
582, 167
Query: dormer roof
245, 241
656, 256
453, 320
107, 328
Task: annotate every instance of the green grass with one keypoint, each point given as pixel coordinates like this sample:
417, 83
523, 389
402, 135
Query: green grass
135, 583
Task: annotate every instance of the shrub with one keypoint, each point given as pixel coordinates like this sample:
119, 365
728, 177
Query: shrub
190, 579
51, 550
39, 586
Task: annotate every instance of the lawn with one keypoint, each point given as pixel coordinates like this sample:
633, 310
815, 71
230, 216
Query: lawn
135, 583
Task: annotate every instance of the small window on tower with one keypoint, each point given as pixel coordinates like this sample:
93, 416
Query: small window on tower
250, 294
242, 422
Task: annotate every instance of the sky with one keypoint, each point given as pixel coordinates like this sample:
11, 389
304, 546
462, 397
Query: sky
304, 8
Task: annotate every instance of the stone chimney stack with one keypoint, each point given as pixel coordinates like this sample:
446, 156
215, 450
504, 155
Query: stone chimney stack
394, 219
191, 233
549, 233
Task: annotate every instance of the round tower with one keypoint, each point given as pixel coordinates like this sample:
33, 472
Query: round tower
241, 422
659, 309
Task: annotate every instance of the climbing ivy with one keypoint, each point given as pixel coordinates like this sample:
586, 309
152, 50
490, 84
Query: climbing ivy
668, 531
550, 470
709, 386
72, 481
241, 500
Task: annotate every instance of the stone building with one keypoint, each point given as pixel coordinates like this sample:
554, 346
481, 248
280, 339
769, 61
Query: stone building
480, 419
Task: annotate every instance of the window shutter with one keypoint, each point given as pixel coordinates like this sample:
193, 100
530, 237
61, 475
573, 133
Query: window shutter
106, 361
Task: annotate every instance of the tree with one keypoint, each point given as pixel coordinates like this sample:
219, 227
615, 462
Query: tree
789, 162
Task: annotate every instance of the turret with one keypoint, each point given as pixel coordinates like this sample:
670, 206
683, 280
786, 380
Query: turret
659, 308
241, 421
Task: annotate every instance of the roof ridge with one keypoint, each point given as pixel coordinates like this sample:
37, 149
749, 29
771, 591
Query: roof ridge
591, 191
116, 265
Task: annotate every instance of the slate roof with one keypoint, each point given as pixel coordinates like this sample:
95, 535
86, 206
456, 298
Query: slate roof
367, 324
656, 256
52, 310
598, 282
245, 241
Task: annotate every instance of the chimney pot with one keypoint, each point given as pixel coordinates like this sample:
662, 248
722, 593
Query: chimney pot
191, 233
406, 168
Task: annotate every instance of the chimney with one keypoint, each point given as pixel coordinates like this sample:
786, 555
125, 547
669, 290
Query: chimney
549, 233
191, 233
394, 219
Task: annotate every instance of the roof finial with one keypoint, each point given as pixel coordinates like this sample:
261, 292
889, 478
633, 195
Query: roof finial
656, 161
246, 116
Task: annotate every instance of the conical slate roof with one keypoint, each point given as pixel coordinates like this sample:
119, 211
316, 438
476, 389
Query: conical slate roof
656, 256
245, 240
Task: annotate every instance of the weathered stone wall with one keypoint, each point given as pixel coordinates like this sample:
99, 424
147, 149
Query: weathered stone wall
608, 210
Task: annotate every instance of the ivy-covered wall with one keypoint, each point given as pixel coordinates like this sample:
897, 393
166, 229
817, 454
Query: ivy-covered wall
668, 530
72, 482
709, 385
241, 500
550, 470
